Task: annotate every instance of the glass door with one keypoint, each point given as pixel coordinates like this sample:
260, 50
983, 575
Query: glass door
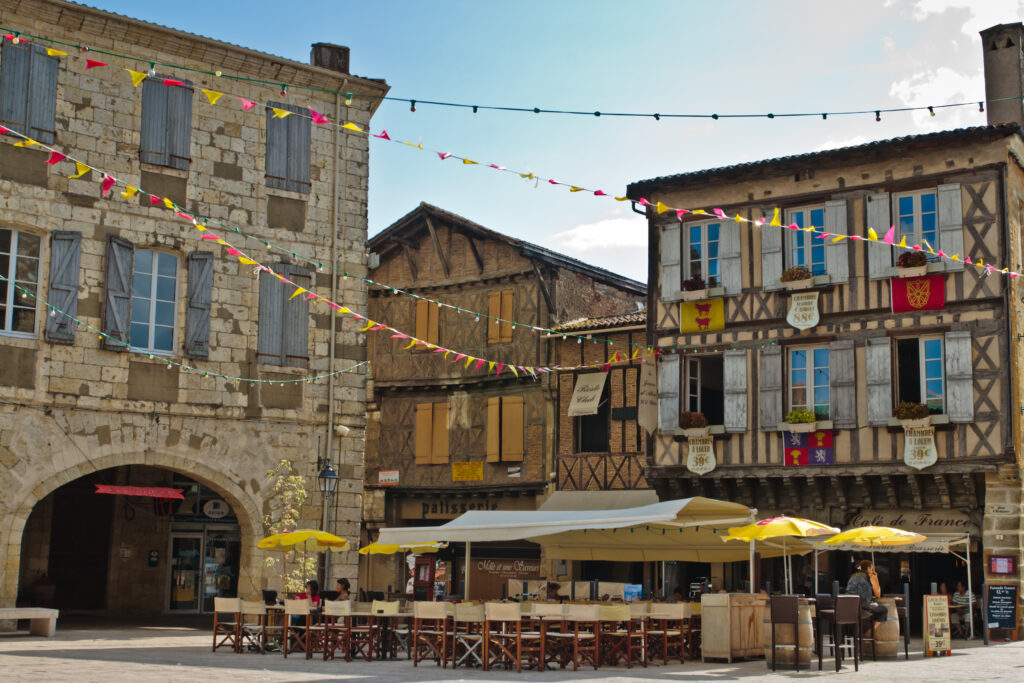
220, 566
186, 555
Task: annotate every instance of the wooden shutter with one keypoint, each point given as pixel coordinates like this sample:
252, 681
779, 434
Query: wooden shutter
65, 256
433, 320
493, 311
117, 292
843, 381
42, 95
508, 312
295, 343
668, 393
734, 370
951, 224
439, 435
179, 125
493, 429
837, 262
671, 273
15, 66
512, 429
878, 363
959, 377
299, 142
153, 137
269, 332
277, 149
423, 435
879, 254
770, 402
771, 255
197, 313
422, 320
729, 262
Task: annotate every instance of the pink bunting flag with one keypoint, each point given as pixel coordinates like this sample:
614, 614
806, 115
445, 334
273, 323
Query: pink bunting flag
443, 155
399, 335
498, 368
313, 295
857, 237
720, 213
644, 202
209, 236
479, 363
889, 235
941, 255
916, 247
1013, 275
967, 260
793, 226
440, 350
4, 130
378, 327
600, 193
680, 213
56, 157
246, 104
500, 168
459, 357
173, 81
233, 252
823, 235
108, 182
154, 200
182, 214
91, 63
553, 181
317, 117
383, 135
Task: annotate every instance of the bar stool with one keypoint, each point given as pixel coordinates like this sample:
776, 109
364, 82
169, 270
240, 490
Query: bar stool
848, 614
785, 610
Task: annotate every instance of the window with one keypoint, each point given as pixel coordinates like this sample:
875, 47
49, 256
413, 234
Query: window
920, 372
431, 433
166, 124
917, 218
701, 251
809, 381
804, 250
288, 143
500, 304
283, 324
505, 434
28, 90
593, 432
704, 380
154, 299
427, 315
19, 264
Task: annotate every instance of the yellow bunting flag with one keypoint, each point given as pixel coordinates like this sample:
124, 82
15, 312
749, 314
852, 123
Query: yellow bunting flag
573, 188
622, 199
246, 261
528, 176
469, 359
53, 52
168, 203
513, 369
212, 96
661, 207
468, 161
129, 192
775, 219
27, 142
80, 170
137, 77
701, 316
280, 113
352, 126
738, 219
369, 324
701, 212
411, 344
838, 237
956, 257
199, 226
343, 310
872, 235
903, 242
490, 365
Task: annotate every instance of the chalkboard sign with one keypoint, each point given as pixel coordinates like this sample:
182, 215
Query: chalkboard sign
1001, 606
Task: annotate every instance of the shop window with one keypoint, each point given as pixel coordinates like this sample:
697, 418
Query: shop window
803, 249
432, 433
19, 265
703, 379
593, 432
920, 376
809, 380
700, 253
505, 429
500, 305
427, 318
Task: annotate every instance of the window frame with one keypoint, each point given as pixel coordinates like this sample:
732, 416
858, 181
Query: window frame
151, 323
604, 404
166, 134
34, 52
810, 386
810, 244
705, 247
922, 365
10, 302
916, 219
688, 380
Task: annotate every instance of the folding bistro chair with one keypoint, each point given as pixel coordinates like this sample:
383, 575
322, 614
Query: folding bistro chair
254, 626
337, 632
429, 634
467, 635
227, 623
666, 633
504, 637
586, 634
555, 636
384, 615
297, 636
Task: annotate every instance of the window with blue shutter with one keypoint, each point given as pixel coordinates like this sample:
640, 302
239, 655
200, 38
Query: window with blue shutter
288, 145
117, 293
283, 324
200, 294
65, 258
28, 90
166, 124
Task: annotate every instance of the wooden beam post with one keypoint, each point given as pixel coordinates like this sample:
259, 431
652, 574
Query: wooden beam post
437, 247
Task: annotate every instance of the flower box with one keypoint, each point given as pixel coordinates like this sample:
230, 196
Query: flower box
697, 431
695, 295
916, 424
792, 285
804, 427
912, 271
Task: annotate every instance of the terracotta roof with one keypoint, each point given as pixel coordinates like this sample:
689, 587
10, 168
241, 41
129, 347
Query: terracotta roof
604, 322
840, 155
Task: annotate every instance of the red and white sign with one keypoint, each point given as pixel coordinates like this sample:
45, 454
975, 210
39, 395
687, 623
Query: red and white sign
387, 478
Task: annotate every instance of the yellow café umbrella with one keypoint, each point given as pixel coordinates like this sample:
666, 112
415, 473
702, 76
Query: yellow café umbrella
781, 527
376, 548
303, 540
874, 536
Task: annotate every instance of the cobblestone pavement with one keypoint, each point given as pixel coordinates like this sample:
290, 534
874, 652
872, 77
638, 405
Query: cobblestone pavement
141, 654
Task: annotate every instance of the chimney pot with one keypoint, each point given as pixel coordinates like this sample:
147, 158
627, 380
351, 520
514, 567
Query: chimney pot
329, 56
1004, 73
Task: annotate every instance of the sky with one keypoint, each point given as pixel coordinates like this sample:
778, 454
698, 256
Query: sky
644, 56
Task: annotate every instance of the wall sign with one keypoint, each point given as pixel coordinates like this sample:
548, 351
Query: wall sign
450, 507
934, 521
467, 471
701, 316
216, 509
919, 447
387, 478
803, 310
700, 456
1002, 565
586, 397
1001, 606
809, 448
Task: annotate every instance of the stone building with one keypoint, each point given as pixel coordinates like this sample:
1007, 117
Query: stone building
860, 336
443, 437
76, 408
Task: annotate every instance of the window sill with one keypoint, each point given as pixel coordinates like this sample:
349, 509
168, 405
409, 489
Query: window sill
804, 427
816, 282
937, 421
697, 295
929, 269
713, 430
18, 335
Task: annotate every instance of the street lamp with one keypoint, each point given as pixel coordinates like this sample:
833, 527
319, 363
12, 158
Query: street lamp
327, 481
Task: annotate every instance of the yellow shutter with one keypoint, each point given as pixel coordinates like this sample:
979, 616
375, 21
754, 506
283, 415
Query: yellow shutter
439, 447
424, 428
433, 314
494, 311
493, 430
422, 317
507, 313
512, 429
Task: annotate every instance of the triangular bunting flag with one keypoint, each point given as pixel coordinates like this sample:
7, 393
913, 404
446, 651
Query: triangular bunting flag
661, 207
775, 219
280, 113
212, 95
889, 235
92, 63
27, 142
168, 203
129, 192
572, 188
468, 161
246, 104
80, 170
872, 235
53, 52
300, 290
153, 200
137, 77
383, 135
317, 117
55, 157
108, 182
352, 126
246, 261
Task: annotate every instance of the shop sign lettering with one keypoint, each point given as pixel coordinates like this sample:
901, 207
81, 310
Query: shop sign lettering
803, 310
919, 447
701, 456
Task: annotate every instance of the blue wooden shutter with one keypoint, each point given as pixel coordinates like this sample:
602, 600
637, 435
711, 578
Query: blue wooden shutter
15, 66
770, 394
277, 148
65, 251
197, 313
42, 95
270, 320
117, 292
299, 141
153, 139
295, 343
879, 254
179, 125
734, 370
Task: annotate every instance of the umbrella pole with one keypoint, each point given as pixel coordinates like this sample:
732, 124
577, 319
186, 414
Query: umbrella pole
970, 593
815, 571
469, 546
752, 566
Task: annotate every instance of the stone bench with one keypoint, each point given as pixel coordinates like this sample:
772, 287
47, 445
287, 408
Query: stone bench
41, 620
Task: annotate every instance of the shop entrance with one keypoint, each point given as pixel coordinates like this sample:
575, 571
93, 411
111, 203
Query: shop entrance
204, 565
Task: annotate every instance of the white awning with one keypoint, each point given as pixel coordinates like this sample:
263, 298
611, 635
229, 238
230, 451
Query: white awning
599, 500
586, 397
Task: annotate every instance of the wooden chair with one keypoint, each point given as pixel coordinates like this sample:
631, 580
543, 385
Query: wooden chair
337, 629
848, 615
622, 636
227, 623
637, 627
556, 637
384, 619
255, 626
363, 631
825, 615
586, 634
504, 638
785, 610
429, 632
666, 633
467, 634
297, 636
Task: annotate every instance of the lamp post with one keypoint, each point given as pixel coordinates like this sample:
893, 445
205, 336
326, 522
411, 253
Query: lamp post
327, 480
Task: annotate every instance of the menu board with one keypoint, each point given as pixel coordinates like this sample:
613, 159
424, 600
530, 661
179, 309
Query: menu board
936, 622
1001, 606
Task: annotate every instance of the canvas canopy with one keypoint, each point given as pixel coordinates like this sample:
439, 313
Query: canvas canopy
689, 529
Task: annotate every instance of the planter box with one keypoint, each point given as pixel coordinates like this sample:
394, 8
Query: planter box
696, 295
798, 284
804, 427
696, 431
939, 421
916, 424
712, 430
914, 271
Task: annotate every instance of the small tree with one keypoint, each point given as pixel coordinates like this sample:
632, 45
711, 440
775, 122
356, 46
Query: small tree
284, 502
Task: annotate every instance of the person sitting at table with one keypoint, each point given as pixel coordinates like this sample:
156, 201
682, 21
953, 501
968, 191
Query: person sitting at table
343, 589
864, 583
313, 595
552, 592
677, 595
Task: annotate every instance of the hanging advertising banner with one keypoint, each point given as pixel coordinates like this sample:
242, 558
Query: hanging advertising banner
803, 310
701, 316
813, 448
647, 403
919, 447
700, 458
926, 293
586, 397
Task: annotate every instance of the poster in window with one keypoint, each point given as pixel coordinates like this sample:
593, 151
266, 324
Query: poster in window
803, 310
700, 457
919, 447
812, 448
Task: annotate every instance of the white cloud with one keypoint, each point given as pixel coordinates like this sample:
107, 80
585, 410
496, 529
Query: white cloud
618, 244
939, 86
836, 144
982, 13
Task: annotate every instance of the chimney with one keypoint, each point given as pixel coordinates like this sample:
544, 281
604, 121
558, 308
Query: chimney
1004, 73
329, 56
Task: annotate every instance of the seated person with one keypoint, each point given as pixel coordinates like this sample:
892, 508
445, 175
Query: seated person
343, 589
552, 592
313, 595
864, 583
962, 603
677, 595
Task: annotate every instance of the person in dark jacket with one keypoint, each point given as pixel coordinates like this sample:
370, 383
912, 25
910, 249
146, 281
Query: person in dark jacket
864, 583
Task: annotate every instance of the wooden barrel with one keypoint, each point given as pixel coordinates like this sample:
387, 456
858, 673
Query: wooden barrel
784, 637
887, 633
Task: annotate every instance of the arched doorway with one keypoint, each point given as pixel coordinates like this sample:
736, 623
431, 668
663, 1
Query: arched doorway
131, 555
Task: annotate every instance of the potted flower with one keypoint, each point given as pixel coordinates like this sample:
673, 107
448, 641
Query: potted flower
912, 415
695, 289
801, 420
912, 264
797, 277
694, 424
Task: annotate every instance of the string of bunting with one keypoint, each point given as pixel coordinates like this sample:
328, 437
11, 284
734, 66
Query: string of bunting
171, 363
20, 36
